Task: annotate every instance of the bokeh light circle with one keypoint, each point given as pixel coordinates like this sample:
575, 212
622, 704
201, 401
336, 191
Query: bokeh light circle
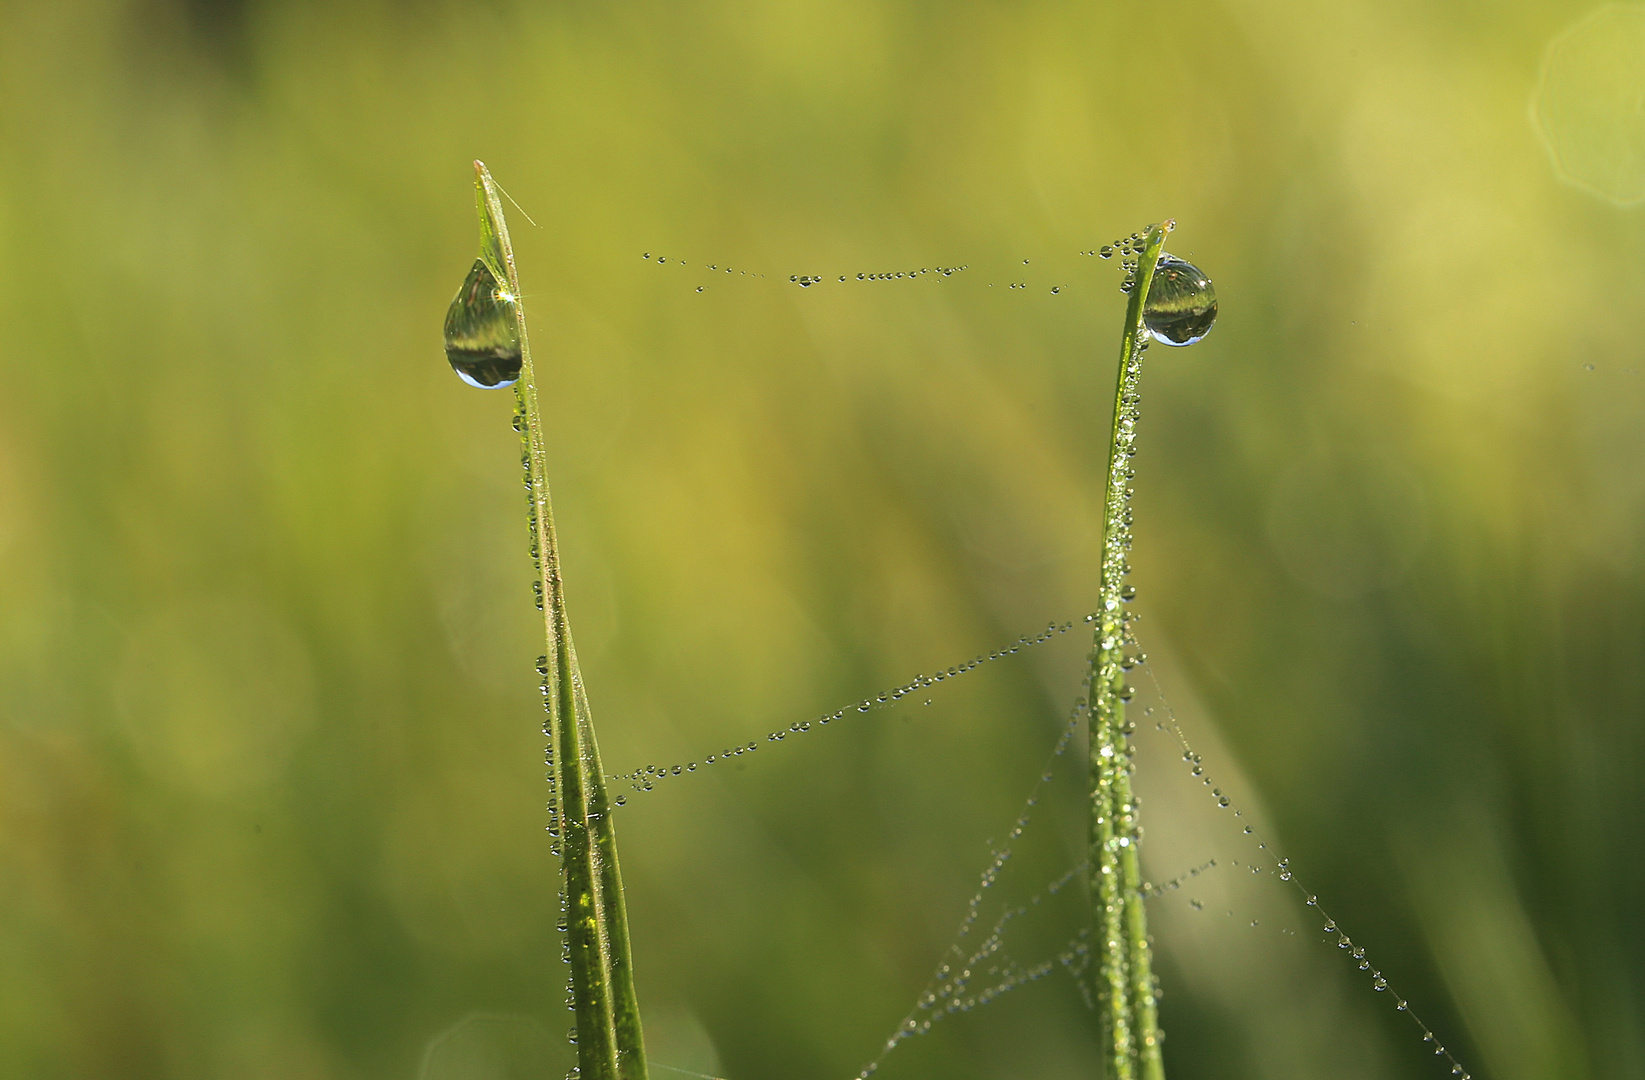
1590, 104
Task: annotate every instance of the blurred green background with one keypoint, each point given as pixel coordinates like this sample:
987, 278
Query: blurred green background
271, 799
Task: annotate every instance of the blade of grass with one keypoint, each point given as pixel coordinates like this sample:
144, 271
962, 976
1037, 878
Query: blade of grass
1124, 971
609, 1041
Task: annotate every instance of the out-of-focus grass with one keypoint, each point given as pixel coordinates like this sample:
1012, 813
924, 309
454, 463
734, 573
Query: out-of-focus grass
270, 794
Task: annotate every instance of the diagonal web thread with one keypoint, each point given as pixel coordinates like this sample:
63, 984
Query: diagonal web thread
1282, 868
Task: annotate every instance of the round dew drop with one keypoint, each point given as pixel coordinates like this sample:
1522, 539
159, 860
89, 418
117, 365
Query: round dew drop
1181, 304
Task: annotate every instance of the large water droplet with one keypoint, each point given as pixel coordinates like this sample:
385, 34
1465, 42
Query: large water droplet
1181, 304
482, 338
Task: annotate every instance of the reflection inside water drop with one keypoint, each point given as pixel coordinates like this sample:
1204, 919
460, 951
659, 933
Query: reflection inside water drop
1181, 304
482, 337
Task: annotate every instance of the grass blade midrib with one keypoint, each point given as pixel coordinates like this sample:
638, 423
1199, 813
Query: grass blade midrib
1124, 973
609, 1041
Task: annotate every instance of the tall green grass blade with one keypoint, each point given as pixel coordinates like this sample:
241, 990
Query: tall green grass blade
1124, 971
609, 1041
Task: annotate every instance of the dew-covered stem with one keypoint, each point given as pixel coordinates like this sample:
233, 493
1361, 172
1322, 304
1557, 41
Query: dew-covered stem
609, 1042
1124, 971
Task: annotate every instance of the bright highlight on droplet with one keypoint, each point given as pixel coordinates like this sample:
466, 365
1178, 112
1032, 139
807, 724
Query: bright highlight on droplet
1181, 304
482, 336
1590, 105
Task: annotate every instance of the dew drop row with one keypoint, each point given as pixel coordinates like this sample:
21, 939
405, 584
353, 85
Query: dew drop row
943, 986
957, 996
1282, 869
646, 778
947, 993
805, 281
662, 260
1150, 891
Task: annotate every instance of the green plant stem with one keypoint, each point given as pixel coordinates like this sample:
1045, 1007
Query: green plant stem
1124, 971
609, 1041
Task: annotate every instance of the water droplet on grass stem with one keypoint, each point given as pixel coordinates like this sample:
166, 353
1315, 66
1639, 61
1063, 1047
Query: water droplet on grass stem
482, 338
1181, 304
